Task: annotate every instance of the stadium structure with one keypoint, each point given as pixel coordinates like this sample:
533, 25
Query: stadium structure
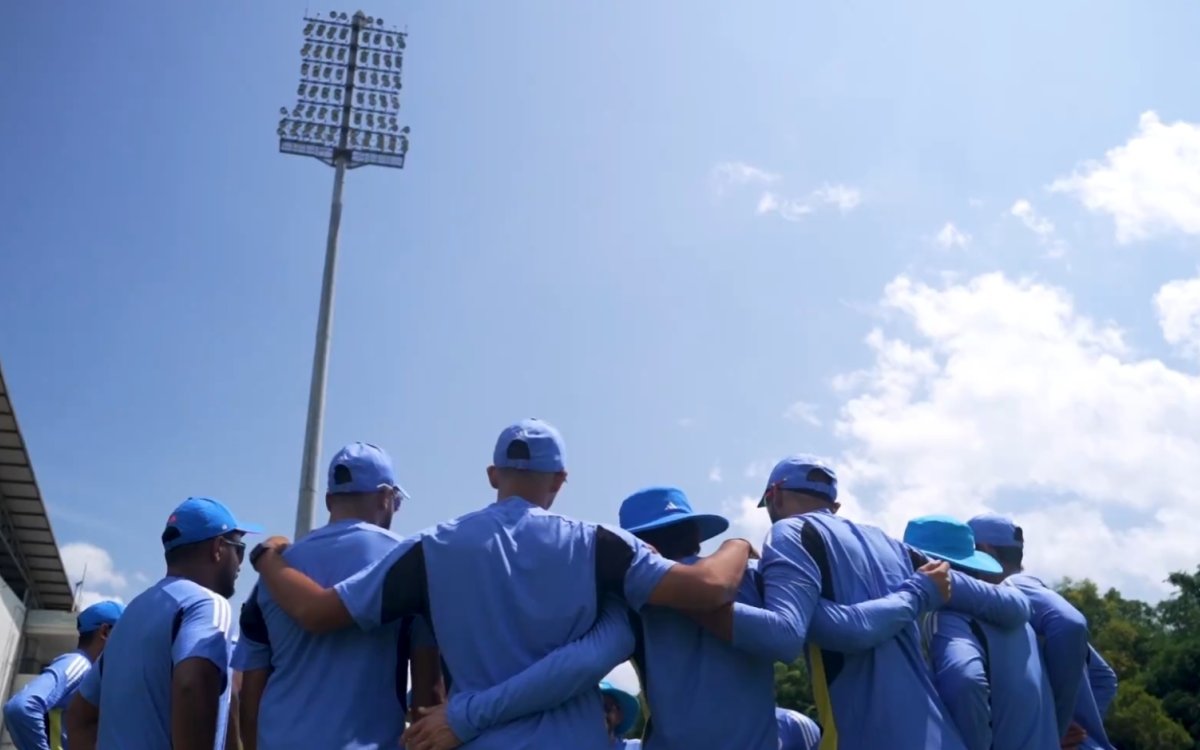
37, 601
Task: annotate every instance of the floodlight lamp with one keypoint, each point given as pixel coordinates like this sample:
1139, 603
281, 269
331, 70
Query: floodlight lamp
338, 73
333, 15
358, 118
370, 120
312, 92
324, 92
308, 128
375, 59
279, 131
322, 113
333, 32
373, 99
326, 73
378, 38
374, 78
337, 95
362, 77
342, 54
379, 142
309, 112
360, 97
299, 109
404, 130
300, 90
329, 53
396, 82
344, 33
283, 111
400, 42
362, 57
342, 16
305, 49
390, 42
303, 69
320, 30
403, 145
295, 127
393, 124
378, 21
391, 144
308, 28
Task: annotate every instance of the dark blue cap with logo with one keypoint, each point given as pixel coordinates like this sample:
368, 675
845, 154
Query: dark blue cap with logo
792, 473
362, 467
103, 613
949, 539
543, 450
660, 507
198, 519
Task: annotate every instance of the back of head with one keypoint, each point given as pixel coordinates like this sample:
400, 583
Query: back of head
529, 462
800, 484
96, 622
202, 542
1000, 537
663, 517
362, 485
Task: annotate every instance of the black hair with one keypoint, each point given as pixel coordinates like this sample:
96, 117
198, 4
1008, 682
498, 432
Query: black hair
1009, 557
674, 542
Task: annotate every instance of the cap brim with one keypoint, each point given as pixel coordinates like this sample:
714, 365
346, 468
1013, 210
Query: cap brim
249, 528
979, 562
710, 525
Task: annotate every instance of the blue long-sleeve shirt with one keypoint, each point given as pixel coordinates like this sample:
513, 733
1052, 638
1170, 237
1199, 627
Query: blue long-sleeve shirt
34, 716
568, 671
992, 683
1063, 631
1096, 694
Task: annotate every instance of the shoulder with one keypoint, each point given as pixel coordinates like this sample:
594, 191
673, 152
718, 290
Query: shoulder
196, 600
72, 666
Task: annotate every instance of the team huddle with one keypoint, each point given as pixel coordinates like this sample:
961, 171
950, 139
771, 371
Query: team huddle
507, 620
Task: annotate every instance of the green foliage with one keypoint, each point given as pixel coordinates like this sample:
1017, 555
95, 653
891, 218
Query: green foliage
793, 688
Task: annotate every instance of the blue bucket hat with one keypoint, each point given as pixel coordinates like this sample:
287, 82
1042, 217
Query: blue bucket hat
631, 708
948, 539
660, 507
792, 474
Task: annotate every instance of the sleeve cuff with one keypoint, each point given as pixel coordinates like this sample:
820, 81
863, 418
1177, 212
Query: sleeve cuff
927, 591
456, 718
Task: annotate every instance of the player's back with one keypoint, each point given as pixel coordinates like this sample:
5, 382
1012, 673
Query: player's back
507, 585
358, 678
721, 681
139, 658
885, 692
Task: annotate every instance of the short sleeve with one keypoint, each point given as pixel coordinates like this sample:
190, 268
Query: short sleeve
89, 688
388, 589
204, 632
626, 566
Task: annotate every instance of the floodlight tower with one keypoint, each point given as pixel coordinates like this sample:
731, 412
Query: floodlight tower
345, 116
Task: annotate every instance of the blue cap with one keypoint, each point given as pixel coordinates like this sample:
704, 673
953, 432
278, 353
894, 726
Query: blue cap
361, 467
546, 452
792, 474
996, 530
631, 708
659, 507
951, 540
104, 613
201, 518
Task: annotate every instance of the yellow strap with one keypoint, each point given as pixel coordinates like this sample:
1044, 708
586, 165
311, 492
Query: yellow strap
829, 735
54, 729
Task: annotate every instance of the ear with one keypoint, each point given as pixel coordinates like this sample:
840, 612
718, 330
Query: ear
215, 549
835, 507
492, 473
328, 505
559, 480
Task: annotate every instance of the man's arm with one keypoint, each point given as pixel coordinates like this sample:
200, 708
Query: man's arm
960, 675
1003, 606
861, 627
383, 592
429, 687
1064, 634
196, 687
25, 713
705, 585
554, 679
1103, 680
233, 732
254, 682
83, 718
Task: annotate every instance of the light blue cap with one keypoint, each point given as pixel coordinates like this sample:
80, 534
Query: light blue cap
659, 507
996, 530
792, 474
545, 455
102, 613
361, 467
949, 539
201, 518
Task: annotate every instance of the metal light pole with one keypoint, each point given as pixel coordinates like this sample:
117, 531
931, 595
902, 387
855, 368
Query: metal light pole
345, 116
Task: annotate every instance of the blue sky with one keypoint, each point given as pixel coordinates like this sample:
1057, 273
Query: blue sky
658, 226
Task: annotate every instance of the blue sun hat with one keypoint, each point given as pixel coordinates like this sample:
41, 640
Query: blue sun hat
631, 708
659, 507
945, 538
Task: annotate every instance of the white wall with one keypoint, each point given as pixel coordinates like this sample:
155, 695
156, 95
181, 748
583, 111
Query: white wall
12, 620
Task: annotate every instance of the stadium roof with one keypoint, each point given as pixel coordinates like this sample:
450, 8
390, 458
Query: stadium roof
29, 560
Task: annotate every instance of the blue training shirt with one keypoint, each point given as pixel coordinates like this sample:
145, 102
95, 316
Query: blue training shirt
1096, 694
993, 684
796, 731
173, 620
875, 683
503, 587
363, 706
34, 716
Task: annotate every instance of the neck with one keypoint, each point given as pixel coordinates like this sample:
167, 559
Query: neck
541, 501
93, 651
195, 574
351, 514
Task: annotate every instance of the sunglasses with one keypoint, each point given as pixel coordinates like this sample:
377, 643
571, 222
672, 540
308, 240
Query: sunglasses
239, 546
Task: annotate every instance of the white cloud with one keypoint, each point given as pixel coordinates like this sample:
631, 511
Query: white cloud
734, 174
714, 474
788, 209
1150, 185
94, 566
1039, 225
846, 199
951, 237
802, 411
1178, 307
1006, 397
758, 470
685, 422
747, 519
624, 676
